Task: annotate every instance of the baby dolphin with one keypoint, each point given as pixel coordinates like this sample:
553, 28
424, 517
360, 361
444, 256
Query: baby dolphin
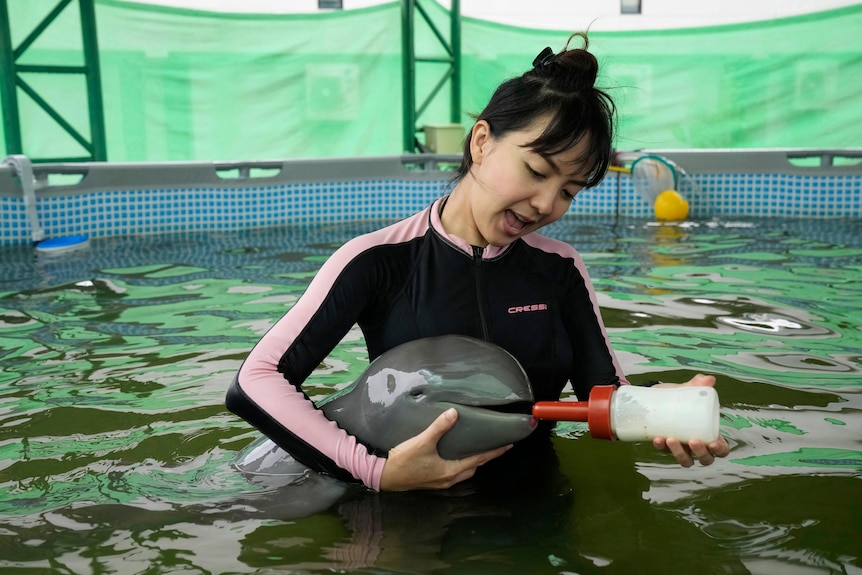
406, 388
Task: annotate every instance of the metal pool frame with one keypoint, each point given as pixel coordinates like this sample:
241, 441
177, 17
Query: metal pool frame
106, 198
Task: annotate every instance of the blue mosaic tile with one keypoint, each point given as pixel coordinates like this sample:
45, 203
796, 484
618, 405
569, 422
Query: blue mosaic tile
163, 210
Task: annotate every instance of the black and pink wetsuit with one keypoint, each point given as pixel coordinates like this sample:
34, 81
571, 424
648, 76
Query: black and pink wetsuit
412, 280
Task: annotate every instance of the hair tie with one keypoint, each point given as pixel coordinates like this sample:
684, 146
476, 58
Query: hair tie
545, 58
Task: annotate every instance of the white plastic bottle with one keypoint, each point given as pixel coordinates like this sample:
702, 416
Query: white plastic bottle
641, 413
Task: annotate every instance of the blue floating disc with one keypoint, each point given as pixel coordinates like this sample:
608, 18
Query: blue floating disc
62, 244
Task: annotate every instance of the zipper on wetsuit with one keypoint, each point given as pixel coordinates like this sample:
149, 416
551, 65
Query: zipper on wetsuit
480, 291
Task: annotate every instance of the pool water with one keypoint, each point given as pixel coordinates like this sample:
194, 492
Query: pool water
116, 450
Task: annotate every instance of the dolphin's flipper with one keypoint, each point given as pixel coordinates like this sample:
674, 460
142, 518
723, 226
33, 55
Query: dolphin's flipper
263, 458
266, 465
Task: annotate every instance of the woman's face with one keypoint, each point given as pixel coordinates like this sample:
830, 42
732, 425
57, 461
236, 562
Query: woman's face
511, 190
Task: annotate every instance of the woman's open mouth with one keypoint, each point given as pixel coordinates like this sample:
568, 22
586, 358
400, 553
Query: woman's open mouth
514, 224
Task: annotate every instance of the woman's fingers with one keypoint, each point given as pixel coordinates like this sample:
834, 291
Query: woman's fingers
679, 452
701, 380
415, 463
695, 450
438, 428
719, 447
700, 452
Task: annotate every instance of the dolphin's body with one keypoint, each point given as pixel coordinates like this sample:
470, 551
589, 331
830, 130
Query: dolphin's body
405, 389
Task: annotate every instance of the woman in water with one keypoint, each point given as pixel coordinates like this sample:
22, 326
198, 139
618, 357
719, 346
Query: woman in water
471, 263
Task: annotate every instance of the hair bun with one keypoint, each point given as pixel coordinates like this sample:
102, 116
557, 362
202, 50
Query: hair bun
577, 67
571, 68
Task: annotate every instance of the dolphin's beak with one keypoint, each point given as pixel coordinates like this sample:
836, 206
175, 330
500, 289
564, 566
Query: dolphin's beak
481, 429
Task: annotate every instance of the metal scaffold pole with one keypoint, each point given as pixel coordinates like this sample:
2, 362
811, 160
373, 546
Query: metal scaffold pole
451, 61
15, 84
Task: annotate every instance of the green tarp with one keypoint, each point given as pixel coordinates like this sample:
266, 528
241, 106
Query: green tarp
189, 85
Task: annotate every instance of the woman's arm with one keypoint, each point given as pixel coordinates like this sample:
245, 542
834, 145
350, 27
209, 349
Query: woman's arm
267, 391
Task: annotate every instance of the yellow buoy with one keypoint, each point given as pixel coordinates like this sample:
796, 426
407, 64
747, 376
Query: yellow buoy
671, 206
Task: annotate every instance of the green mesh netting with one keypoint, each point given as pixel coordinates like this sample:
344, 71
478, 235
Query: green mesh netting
189, 85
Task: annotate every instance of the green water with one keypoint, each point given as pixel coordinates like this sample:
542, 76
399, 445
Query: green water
115, 448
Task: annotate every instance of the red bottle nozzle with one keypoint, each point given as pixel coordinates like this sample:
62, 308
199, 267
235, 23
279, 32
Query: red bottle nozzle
596, 412
561, 410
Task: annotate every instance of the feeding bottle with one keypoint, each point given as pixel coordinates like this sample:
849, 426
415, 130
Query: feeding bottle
631, 413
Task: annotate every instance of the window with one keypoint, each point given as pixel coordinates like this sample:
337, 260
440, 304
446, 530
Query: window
630, 6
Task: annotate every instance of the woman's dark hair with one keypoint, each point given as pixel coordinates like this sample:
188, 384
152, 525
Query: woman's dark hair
563, 87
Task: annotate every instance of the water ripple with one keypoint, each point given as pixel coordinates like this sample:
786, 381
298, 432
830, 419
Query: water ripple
116, 449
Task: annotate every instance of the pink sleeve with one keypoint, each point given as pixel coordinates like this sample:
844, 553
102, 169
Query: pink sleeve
283, 400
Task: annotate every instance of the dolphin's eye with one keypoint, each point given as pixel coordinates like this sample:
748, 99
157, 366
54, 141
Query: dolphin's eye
417, 394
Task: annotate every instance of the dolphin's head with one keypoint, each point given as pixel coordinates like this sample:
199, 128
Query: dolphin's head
406, 388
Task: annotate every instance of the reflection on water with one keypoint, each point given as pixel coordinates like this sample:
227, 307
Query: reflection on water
116, 450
